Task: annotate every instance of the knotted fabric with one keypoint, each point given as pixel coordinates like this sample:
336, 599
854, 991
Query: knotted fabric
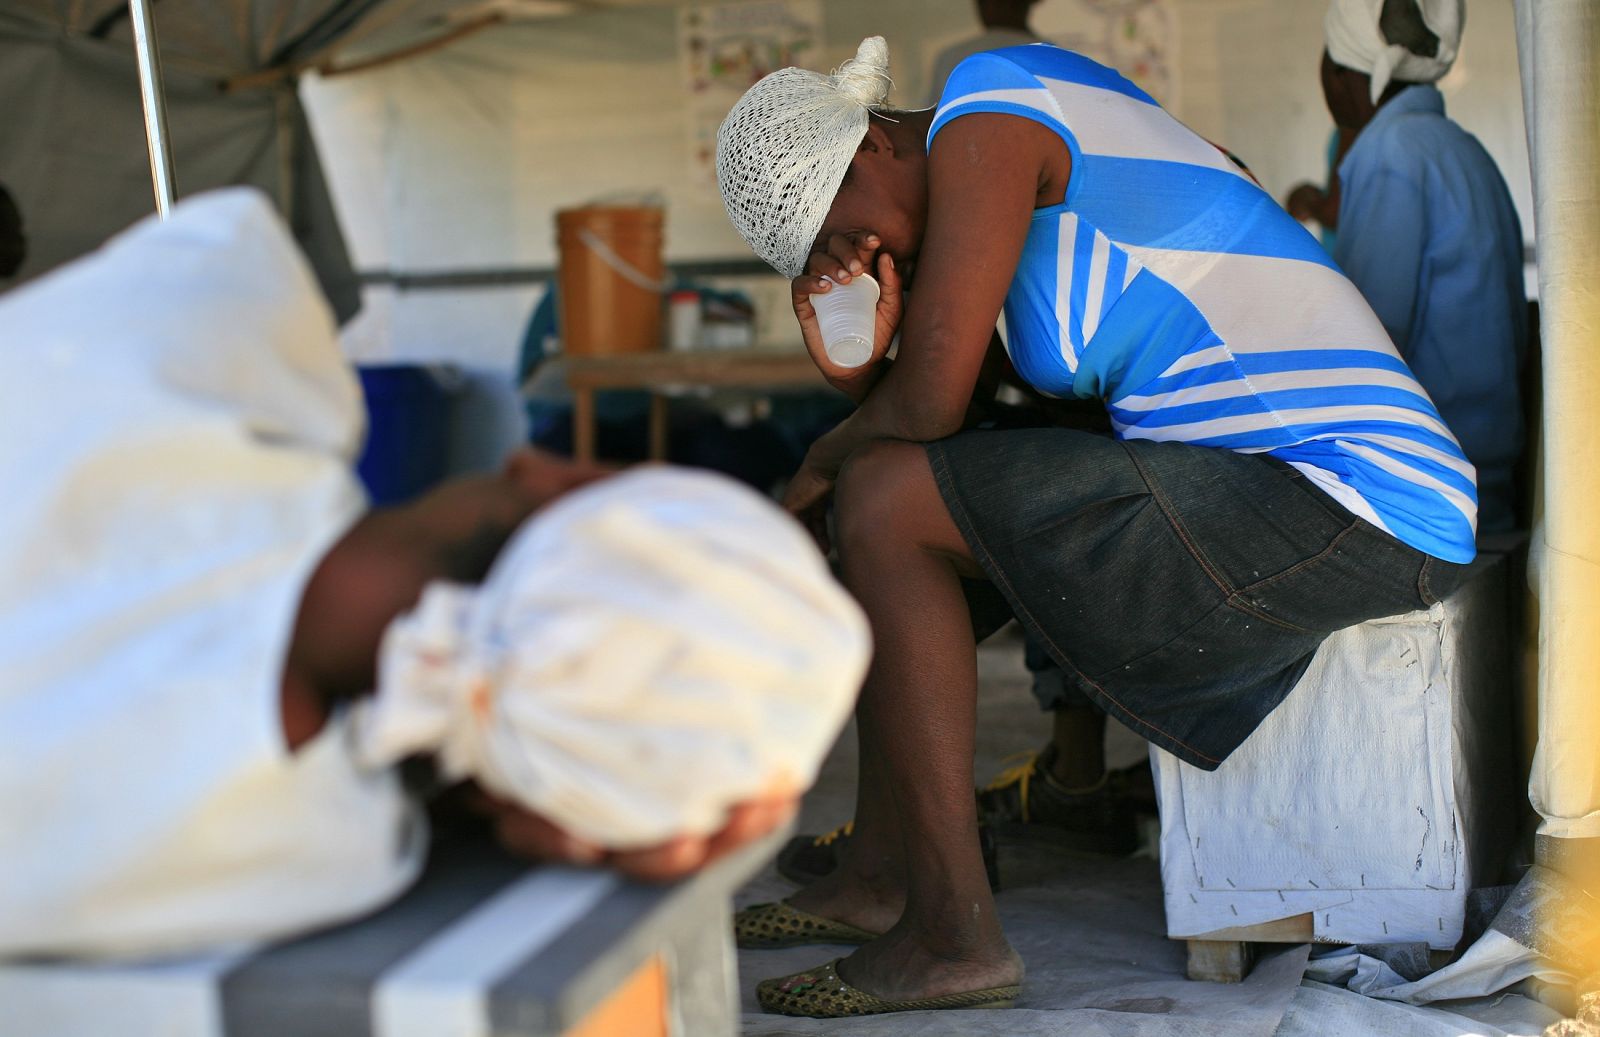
1356, 40
645, 653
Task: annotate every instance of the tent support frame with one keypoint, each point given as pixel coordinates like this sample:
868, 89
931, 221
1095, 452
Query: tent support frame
153, 94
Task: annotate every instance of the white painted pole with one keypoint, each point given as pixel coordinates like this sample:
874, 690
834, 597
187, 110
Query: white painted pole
155, 104
1559, 46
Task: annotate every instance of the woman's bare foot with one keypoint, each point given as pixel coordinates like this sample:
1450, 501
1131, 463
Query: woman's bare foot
845, 896
903, 965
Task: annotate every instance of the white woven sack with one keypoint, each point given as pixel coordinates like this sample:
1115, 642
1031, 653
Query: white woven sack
646, 652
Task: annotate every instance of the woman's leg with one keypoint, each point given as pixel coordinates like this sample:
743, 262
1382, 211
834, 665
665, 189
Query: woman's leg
904, 560
868, 889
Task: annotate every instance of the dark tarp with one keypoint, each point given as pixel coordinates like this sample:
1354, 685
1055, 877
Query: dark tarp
72, 141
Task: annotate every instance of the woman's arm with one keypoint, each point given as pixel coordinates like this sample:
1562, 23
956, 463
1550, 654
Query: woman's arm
985, 177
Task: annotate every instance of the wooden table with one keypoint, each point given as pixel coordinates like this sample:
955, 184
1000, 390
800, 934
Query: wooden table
657, 372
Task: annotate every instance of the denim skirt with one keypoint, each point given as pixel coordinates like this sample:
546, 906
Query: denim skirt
1183, 589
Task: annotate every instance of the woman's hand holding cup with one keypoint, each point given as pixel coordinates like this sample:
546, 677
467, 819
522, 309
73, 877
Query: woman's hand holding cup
846, 258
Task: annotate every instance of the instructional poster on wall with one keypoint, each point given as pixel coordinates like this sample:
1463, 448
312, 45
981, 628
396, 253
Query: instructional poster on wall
725, 49
1135, 37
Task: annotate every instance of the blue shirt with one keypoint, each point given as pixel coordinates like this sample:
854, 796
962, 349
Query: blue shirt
1428, 233
1169, 285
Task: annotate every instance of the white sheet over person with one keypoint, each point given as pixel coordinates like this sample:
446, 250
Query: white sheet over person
193, 595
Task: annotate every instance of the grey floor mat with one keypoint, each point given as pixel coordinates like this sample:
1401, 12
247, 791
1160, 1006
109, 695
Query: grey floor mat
1091, 930
1099, 963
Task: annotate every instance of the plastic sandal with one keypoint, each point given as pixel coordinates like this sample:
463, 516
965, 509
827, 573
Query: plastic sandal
807, 858
1098, 819
821, 994
769, 926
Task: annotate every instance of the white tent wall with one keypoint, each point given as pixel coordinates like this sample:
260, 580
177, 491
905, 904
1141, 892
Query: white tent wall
1248, 72
477, 147
457, 161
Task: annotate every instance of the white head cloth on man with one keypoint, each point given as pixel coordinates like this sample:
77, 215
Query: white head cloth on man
1356, 38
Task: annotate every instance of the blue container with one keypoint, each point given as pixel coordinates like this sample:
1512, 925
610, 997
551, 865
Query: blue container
408, 431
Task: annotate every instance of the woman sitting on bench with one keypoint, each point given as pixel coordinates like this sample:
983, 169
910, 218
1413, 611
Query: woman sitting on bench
1275, 472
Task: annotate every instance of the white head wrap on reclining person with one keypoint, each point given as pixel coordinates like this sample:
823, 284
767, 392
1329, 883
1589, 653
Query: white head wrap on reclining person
1355, 40
645, 653
783, 151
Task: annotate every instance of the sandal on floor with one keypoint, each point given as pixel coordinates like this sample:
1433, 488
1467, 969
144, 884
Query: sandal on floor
1102, 818
821, 994
806, 858
769, 926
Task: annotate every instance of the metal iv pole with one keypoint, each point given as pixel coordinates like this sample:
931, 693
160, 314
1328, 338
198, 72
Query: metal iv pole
155, 103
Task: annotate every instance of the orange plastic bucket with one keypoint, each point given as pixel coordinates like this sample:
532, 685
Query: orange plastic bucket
611, 279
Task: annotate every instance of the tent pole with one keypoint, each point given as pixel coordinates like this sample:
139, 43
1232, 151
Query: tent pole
1559, 46
155, 103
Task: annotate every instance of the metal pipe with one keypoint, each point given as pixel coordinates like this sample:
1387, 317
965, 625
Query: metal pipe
1559, 44
154, 97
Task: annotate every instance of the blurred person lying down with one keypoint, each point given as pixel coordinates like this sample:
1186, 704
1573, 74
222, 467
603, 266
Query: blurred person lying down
642, 670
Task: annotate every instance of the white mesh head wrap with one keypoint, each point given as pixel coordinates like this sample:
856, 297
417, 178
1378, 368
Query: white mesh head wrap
1356, 41
783, 151
646, 652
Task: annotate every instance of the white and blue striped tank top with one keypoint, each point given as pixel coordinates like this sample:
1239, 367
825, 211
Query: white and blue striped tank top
1171, 286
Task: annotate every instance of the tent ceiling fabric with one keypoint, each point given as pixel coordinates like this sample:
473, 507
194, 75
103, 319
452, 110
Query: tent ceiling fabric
72, 147
225, 37
72, 142
235, 37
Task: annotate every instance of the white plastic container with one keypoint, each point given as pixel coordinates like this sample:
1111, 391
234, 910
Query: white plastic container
847, 316
684, 330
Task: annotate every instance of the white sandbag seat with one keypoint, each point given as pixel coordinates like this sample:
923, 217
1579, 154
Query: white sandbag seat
1368, 805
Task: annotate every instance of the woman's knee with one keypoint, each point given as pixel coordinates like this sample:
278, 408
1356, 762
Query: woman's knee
884, 496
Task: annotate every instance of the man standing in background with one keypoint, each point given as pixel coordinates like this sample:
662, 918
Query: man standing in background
1005, 24
1308, 202
1427, 229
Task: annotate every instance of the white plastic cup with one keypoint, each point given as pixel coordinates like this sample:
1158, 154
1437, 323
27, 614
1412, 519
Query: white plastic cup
848, 317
